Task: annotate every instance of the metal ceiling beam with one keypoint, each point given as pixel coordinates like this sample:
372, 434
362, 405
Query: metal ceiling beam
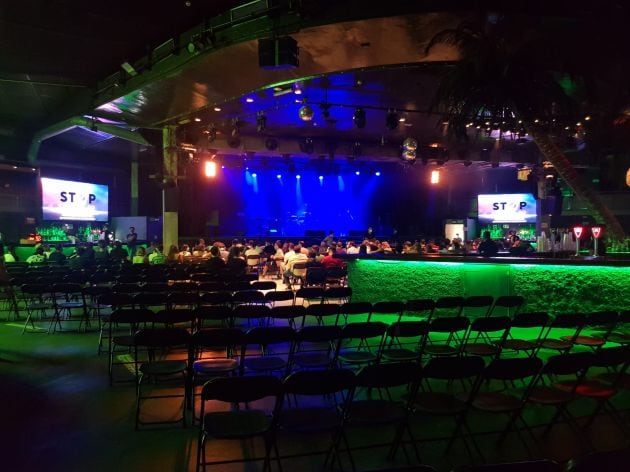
71, 123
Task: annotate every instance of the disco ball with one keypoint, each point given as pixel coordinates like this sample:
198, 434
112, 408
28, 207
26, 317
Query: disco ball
410, 144
409, 155
306, 113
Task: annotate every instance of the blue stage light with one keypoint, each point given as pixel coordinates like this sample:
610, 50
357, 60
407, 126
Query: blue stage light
377, 173
298, 176
357, 173
321, 177
278, 176
254, 175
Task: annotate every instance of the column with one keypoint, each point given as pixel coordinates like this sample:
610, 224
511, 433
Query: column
170, 200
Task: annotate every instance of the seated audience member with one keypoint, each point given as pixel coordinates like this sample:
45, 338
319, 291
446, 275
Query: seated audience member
289, 253
173, 254
386, 248
330, 260
10, 255
37, 257
140, 256
304, 249
487, 248
275, 260
158, 256
351, 248
215, 262
297, 256
236, 263
101, 253
339, 249
77, 259
118, 253
185, 252
57, 256
520, 247
251, 250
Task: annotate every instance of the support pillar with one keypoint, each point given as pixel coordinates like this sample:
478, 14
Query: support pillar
133, 210
170, 200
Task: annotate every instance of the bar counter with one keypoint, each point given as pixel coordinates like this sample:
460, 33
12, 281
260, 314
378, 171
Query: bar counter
579, 285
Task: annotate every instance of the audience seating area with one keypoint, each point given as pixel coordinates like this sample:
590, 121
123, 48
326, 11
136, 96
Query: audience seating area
396, 376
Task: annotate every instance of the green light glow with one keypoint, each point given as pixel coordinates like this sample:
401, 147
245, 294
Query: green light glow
551, 288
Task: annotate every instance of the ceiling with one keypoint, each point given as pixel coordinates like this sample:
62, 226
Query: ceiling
62, 59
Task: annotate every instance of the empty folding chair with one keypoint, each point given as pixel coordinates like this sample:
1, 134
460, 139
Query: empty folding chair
508, 305
572, 323
555, 387
154, 301
182, 317
258, 313
542, 465
128, 320
307, 295
178, 300
237, 424
445, 336
37, 299
293, 315
315, 277
603, 320
535, 323
338, 295
264, 285
486, 336
478, 305
70, 305
336, 276
320, 399
284, 297
397, 385
211, 286
315, 347
212, 353
448, 306
158, 371
324, 313
222, 314
621, 335
239, 286
274, 348
404, 341
363, 343
451, 383
494, 398
248, 297
420, 308
354, 311
216, 298
385, 311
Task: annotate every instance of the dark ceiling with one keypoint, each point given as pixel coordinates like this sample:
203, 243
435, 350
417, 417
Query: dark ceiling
57, 56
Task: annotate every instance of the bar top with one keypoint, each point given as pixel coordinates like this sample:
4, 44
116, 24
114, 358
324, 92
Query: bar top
474, 259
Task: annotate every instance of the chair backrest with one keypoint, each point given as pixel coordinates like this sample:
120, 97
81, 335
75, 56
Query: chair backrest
388, 308
602, 318
450, 324
317, 334
389, 375
216, 298
612, 357
131, 316
291, 312
356, 308
266, 336
183, 298
252, 311
215, 337
182, 315
568, 320
215, 312
542, 465
513, 369
320, 310
239, 286
510, 303
535, 319
449, 302
310, 293
338, 293
315, 276
319, 382
453, 368
248, 296
149, 299
279, 296
67, 288
156, 287
490, 325
420, 305
210, 286
253, 260
299, 269
363, 330
241, 389
162, 337
264, 285
126, 288
569, 364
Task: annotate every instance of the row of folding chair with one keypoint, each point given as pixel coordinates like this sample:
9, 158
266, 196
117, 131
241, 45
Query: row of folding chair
428, 391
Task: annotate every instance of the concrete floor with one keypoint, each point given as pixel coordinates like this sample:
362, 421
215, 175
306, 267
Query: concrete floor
58, 413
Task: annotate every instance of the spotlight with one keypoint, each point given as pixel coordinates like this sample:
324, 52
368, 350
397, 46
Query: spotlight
254, 175
279, 176
359, 118
249, 100
408, 155
306, 113
377, 173
217, 108
357, 173
197, 119
410, 144
391, 120
435, 177
261, 121
210, 169
321, 177
298, 177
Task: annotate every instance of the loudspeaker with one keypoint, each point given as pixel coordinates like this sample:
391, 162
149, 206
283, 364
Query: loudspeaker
278, 53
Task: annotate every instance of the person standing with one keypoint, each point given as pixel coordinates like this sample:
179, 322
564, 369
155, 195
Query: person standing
369, 234
487, 248
132, 241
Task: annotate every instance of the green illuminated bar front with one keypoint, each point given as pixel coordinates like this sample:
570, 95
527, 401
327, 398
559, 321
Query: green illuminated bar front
554, 288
